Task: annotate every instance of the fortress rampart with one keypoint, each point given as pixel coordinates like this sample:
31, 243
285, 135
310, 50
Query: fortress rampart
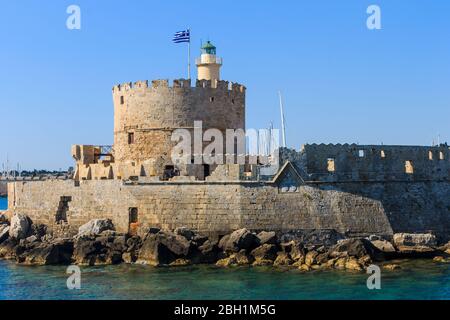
303, 195
353, 163
218, 208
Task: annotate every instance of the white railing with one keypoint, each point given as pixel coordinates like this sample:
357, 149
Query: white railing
205, 60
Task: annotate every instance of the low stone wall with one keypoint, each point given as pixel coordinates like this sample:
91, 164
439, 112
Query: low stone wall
381, 163
213, 208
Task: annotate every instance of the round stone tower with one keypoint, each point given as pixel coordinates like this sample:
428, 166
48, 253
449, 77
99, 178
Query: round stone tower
208, 64
146, 115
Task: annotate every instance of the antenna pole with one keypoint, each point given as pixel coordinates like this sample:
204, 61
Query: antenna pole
283, 128
6, 168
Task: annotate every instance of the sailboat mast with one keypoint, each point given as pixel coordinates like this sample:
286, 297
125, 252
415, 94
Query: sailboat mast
283, 128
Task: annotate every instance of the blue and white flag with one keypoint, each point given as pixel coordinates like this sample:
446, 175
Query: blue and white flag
182, 36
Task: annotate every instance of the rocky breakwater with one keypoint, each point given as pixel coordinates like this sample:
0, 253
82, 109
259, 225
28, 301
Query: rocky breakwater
97, 243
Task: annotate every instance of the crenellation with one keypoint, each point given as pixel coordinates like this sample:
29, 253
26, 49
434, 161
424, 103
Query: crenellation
373, 162
164, 83
203, 83
141, 84
116, 88
222, 85
236, 87
177, 83
126, 86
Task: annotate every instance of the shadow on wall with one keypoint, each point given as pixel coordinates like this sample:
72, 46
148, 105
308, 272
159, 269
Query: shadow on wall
411, 182
411, 207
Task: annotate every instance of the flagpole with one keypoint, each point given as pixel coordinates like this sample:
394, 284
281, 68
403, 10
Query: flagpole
283, 127
189, 55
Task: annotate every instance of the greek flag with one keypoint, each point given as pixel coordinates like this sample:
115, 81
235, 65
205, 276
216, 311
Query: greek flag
182, 36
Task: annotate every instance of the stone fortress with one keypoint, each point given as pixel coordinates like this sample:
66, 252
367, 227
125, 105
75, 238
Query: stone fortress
353, 189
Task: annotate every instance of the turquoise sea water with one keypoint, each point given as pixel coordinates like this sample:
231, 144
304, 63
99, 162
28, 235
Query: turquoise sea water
417, 280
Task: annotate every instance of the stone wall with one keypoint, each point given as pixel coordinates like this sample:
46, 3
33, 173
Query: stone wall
218, 208
412, 207
355, 163
151, 113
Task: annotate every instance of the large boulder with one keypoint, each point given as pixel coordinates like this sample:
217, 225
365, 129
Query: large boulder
9, 248
322, 258
190, 235
106, 248
38, 230
209, 252
283, 259
384, 246
265, 252
163, 248
20, 226
310, 258
185, 232
353, 264
30, 239
267, 237
416, 252
95, 227
133, 245
357, 248
87, 250
414, 239
295, 249
240, 258
4, 232
238, 240
223, 242
57, 252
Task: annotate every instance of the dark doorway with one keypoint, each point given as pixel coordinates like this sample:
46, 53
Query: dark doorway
206, 170
63, 207
130, 137
133, 219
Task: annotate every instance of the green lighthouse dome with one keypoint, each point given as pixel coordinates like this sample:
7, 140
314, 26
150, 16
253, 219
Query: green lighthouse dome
208, 48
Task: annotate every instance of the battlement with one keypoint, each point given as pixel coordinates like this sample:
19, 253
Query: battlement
352, 162
221, 85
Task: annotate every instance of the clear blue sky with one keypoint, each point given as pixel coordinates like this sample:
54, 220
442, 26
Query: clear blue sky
341, 81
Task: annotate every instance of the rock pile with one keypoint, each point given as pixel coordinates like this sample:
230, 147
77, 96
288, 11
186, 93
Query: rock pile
97, 243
